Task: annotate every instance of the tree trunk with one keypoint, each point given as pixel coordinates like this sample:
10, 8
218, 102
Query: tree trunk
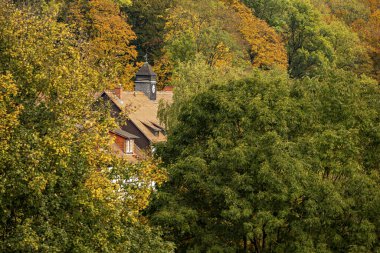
264, 238
257, 246
245, 244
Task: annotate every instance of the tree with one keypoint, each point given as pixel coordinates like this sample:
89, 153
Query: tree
312, 32
272, 11
268, 164
309, 50
347, 11
148, 18
360, 16
224, 33
350, 53
106, 38
190, 78
56, 192
266, 49
369, 32
194, 27
199, 28
9, 110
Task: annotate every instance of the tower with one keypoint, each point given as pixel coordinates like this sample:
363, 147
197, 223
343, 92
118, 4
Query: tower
146, 81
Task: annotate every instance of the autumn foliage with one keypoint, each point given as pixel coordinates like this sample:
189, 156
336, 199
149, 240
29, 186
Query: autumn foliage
273, 131
369, 31
108, 37
266, 49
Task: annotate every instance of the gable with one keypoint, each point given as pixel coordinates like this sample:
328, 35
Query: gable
141, 111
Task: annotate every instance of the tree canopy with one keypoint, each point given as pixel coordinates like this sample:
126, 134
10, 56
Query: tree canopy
268, 164
58, 191
273, 133
312, 31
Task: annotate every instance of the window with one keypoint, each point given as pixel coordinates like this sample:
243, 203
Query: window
129, 146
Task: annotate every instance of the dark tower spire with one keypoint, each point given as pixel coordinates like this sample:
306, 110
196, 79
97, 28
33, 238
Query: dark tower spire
146, 80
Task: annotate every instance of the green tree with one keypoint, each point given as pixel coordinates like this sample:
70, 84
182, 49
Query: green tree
309, 50
148, 18
193, 77
267, 164
272, 11
199, 27
224, 33
55, 189
350, 53
316, 39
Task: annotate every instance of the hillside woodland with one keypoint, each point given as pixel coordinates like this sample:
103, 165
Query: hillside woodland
273, 133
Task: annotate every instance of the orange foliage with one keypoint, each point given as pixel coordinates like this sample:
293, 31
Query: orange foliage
101, 23
369, 31
112, 38
266, 48
374, 5
163, 68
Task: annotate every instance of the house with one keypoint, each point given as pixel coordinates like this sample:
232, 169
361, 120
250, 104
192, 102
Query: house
142, 129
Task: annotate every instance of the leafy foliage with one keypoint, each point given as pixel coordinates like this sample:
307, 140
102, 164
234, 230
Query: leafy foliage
192, 29
269, 164
317, 38
107, 36
368, 30
191, 78
223, 33
56, 192
148, 18
257, 161
266, 49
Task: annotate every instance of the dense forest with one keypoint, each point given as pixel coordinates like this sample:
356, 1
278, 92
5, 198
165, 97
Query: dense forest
273, 136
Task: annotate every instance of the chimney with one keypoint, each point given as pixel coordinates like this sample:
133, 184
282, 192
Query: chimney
118, 91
